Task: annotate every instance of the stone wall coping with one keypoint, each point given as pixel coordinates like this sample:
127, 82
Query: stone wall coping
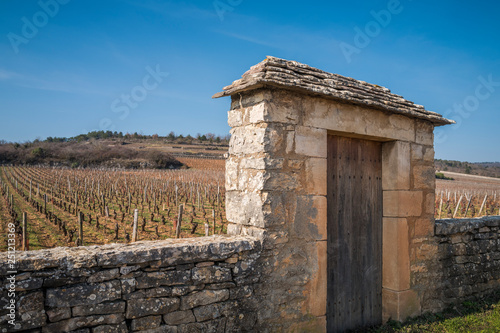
292, 75
454, 226
162, 253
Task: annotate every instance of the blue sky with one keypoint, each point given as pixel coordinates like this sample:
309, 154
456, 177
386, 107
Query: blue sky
67, 67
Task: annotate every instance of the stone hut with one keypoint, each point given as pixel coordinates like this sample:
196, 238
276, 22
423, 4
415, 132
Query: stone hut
336, 177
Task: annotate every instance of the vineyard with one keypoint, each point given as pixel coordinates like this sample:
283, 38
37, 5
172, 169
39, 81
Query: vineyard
70, 207
467, 196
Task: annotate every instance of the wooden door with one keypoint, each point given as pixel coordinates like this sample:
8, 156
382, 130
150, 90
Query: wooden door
354, 295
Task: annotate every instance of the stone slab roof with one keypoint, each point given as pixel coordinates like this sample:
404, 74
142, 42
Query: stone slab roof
292, 75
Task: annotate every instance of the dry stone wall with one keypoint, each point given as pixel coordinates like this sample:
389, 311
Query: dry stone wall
197, 285
460, 262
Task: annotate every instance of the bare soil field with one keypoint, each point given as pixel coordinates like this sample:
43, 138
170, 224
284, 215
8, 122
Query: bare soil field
470, 183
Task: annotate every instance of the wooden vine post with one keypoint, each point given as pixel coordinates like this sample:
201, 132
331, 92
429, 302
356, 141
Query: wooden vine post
25, 244
482, 206
458, 205
80, 229
179, 221
213, 216
134, 228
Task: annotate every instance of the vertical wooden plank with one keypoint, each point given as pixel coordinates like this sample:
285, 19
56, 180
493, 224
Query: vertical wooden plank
354, 233
332, 231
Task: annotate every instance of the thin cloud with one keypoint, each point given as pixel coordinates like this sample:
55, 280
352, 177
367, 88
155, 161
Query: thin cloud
179, 10
31, 82
248, 39
7, 75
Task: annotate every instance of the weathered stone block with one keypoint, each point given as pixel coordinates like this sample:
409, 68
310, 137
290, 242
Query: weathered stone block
85, 294
33, 301
231, 174
290, 142
128, 269
280, 111
159, 292
396, 165
315, 176
430, 203
105, 275
424, 227
203, 297
241, 292
424, 177
120, 328
179, 317
316, 287
349, 118
402, 203
426, 251
262, 162
214, 311
156, 279
244, 100
259, 138
137, 308
213, 274
29, 284
58, 314
62, 280
29, 320
99, 309
257, 113
310, 141
80, 322
417, 152
217, 325
311, 218
128, 286
247, 140
145, 323
424, 132
395, 254
400, 305
235, 118
245, 208
429, 154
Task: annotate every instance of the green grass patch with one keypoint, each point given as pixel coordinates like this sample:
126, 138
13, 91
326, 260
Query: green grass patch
471, 316
440, 175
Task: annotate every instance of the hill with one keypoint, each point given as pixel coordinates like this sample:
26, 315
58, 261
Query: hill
486, 169
114, 150
98, 153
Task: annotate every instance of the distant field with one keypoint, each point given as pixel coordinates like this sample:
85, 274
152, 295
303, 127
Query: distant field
464, 182
475, 195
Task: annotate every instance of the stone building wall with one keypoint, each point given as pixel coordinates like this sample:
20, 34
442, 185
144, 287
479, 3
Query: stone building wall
191, 285
461, 261
276, 182
276, 189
